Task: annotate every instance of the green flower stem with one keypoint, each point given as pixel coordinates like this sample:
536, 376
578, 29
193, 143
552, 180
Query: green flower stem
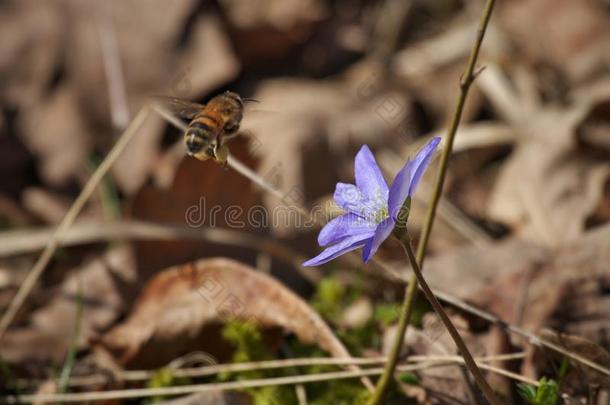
411, 290
465, 82
463, 349
390, 366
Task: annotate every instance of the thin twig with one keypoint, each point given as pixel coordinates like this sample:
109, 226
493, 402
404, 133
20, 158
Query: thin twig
302, 362
459, 342
411, 290
465, 83
69, 218
26, 241
209, 370
236, 385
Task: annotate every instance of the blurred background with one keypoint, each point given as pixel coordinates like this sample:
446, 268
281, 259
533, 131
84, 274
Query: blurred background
522, 228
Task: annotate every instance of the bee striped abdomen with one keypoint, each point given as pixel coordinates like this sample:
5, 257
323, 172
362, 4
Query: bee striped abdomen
206, 122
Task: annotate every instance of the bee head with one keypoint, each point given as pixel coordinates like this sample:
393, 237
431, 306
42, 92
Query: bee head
234, 96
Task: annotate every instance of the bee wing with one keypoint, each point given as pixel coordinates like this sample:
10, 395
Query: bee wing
183, 108
256, 110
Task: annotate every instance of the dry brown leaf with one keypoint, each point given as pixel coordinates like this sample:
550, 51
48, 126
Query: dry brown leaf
571, 35
550, 186
281, 14
584, 348
55, 130
203, 194
49, 333
181, 301
565, 291
47, 206
468, 270
265, 32
32, 35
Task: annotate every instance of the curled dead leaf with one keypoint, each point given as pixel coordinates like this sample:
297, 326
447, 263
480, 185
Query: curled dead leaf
183, 300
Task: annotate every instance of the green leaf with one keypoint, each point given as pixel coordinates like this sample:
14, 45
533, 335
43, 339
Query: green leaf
547, 393
408, 378
527, 392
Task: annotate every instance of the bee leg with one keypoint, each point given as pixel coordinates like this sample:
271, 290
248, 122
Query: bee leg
222, 153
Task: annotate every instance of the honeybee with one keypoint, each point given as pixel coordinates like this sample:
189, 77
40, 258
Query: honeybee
211, 125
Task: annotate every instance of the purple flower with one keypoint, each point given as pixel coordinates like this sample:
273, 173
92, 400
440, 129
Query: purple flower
371, 208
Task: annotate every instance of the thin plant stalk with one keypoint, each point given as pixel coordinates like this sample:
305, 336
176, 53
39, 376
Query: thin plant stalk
465, 82
471, 365
411, 290
233, 385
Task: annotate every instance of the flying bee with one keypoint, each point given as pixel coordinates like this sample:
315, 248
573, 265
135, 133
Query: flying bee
211, 125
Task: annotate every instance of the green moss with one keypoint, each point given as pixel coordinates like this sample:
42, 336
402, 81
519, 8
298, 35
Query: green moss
163, 378
386, 314
250, 346
328, 299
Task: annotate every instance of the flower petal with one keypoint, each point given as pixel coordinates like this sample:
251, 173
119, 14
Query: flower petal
408, 177
343, 226
369, 178
399, 190
346, 245
348, 197
384, 229
421, 162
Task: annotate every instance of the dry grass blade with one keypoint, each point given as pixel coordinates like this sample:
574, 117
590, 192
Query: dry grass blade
69, 219
27, 241
112, 67
140, 375
271, 364
236, 385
